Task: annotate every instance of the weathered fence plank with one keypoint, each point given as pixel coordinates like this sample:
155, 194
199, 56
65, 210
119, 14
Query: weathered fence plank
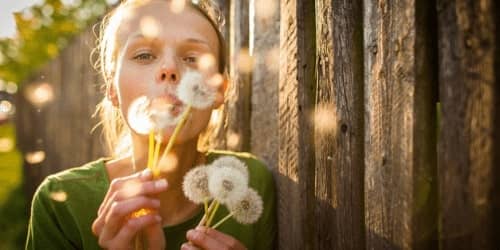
295, 174
237, 134
467, 50
61, 128
265, 77
399, 126
339, 126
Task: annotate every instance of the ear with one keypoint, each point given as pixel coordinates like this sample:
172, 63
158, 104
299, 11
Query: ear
221, 93
111, 95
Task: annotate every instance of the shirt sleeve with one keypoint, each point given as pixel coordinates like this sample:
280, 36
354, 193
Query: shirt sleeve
45, 230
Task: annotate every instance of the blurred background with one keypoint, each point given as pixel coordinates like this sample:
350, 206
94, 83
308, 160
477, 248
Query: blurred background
32, 32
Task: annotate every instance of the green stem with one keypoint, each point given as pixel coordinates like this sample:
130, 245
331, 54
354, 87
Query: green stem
223, 220
176, 131
212, 213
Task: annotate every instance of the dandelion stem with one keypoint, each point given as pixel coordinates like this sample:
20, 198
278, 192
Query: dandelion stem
155, 170
205, 203
176, 131
212, 213
205, 216
222, 220
150, 150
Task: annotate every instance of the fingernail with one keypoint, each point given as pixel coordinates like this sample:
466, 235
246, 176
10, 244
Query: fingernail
160, 184
146, 173
190, 234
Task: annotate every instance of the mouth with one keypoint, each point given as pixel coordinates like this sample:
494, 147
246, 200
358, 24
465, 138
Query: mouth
168, 102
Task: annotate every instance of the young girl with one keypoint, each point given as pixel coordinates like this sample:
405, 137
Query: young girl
146, 49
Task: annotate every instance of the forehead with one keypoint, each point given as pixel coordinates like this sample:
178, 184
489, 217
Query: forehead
156, 17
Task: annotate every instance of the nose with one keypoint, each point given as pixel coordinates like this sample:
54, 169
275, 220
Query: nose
168, 74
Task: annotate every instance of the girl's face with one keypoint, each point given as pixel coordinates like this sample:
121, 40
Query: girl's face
155, 48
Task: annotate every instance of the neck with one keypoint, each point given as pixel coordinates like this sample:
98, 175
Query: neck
175, 207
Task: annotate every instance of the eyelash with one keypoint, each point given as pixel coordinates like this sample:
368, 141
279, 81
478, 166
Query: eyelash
141, 56
188, 59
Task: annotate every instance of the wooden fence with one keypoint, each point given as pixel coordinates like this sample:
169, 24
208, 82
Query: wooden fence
379, 119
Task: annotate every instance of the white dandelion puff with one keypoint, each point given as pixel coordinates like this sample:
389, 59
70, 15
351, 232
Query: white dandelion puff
139, 116
195, 185
232, 162
247, 210
227, 184
194, 91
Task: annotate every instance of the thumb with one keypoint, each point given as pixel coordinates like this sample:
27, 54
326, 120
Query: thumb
155, 237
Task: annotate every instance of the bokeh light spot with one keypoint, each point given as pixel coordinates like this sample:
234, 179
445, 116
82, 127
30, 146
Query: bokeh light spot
233, 139
35, 157
39, 94
150, 27
6, 145
245, 61
59, 196
177, 6
206, 61
325, 119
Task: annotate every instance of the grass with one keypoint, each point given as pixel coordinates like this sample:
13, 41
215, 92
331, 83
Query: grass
13, 211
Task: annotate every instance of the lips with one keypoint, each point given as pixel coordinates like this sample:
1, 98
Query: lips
169, 102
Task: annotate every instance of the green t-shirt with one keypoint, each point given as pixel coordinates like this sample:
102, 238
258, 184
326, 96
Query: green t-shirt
66, 204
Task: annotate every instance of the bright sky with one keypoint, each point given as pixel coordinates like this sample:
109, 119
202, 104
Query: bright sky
7, 7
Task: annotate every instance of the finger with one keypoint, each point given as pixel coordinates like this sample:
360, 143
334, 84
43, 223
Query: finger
126, 235
121, 210
155, 237
228, 240
189, 246
117, 183
203, 240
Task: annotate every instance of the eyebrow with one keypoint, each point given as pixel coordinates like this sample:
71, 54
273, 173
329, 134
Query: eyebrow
139, 35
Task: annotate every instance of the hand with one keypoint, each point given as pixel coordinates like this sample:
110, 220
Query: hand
115, 228
210, 239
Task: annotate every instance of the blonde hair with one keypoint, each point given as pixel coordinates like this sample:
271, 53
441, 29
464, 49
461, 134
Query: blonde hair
114, 130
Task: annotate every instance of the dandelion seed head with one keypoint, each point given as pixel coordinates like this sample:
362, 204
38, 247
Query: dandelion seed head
195, 185
194, 91
248, 209
227, 184
232, 162
139, 116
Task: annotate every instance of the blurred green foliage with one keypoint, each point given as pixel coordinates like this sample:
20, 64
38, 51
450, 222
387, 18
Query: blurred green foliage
43, 31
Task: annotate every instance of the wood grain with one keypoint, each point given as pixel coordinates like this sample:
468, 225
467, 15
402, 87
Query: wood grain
399, 126
339, 126
467, 76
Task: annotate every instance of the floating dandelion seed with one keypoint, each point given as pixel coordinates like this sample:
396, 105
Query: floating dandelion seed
35, 157
59, 196
177, 6
245, 61
215, 81
149, 27
325, 119
195, 185
227, 184
6, 145
206, 61
248, 209
193, 91
233, 139
39, 94
265, 9
231, 162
